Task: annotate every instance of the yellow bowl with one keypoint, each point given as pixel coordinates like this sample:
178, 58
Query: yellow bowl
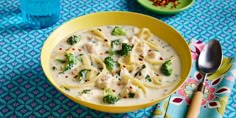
156, 26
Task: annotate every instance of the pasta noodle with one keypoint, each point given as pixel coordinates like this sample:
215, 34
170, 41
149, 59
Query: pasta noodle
158, 85
86, 61
77, 86
144, 34
99, 33
136, 82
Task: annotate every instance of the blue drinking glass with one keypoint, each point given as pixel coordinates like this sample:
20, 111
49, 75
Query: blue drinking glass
40, 13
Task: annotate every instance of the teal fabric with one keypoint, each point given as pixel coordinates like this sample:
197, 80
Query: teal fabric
24, 89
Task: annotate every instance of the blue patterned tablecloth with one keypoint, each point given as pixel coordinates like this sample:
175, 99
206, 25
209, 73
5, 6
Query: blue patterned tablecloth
24, 89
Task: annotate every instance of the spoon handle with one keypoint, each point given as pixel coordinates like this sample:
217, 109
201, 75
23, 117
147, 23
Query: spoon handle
196, 102
195, 105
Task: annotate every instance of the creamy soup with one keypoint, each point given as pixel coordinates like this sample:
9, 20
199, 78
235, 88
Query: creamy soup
117, 65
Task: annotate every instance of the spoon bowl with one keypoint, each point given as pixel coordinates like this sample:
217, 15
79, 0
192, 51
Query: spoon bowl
210, 58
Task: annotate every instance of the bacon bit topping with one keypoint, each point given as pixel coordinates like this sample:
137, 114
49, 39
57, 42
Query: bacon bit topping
130, 87
113, 90
157, 74
79, 49
86, 80
106, 52
149, 50
73, 48
76, 76
60, 48
66, 76
161, 58
105, 40
125, 97
124, 66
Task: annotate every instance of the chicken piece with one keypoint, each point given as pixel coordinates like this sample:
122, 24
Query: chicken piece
136, 30
123, 72
133, 40
142, 49
104, 82
130, 91
154, 54
91, 48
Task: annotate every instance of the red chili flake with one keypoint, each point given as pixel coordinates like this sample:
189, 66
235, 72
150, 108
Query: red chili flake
113, 90
124, 66
118, 84
161, 58
73, 48
125, 97
99, 29
105, 40
141, 56
106, 52
132, 45
149, 50
163, 3
60, 48
79, 49
130, 87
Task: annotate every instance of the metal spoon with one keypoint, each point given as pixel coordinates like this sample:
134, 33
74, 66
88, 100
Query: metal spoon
209, 61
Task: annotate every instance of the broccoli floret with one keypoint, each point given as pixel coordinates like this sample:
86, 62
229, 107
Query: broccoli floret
69, 62
82, 74
125, 49
110, 63
166, 68
109, 97
73, 40
117, 31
